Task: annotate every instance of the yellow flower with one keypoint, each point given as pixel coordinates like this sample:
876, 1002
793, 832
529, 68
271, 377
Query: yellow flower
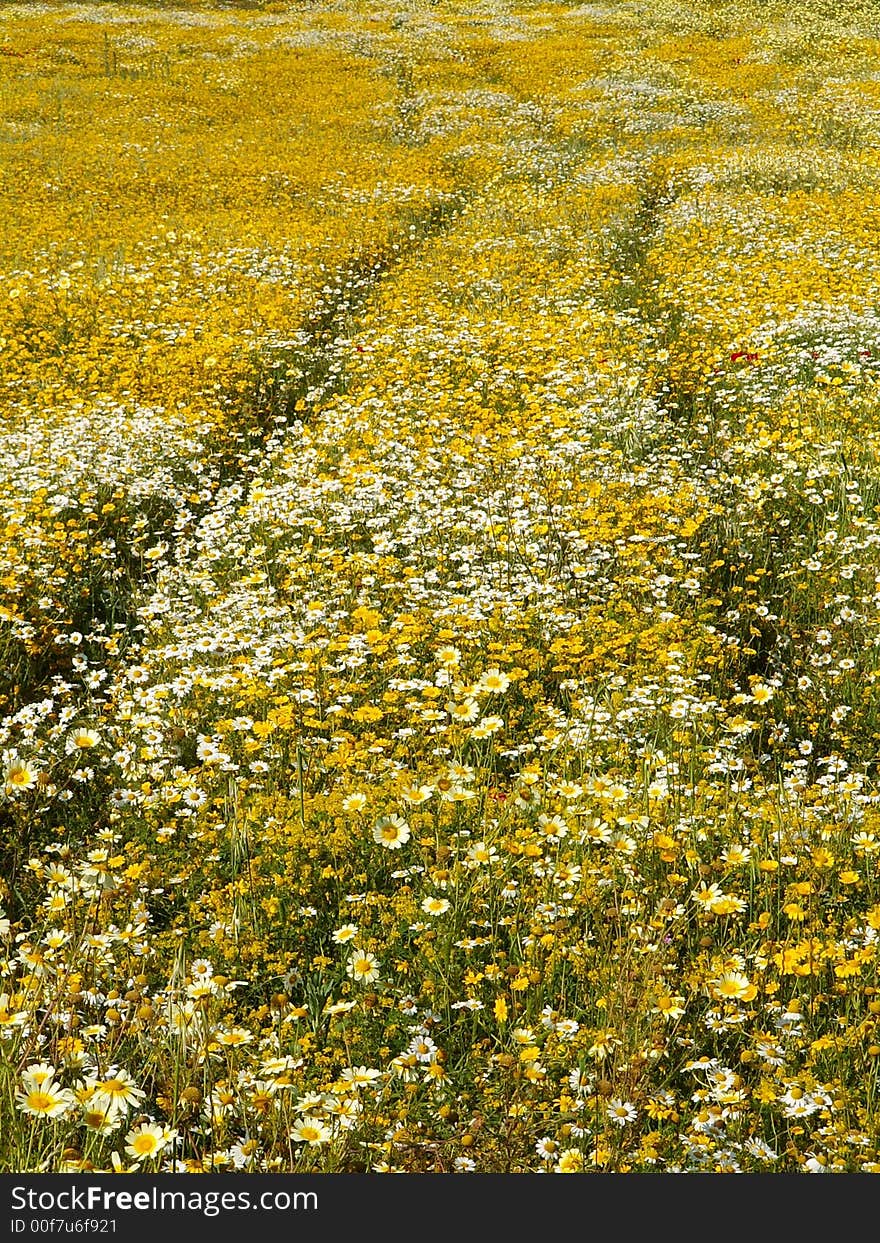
570, 1161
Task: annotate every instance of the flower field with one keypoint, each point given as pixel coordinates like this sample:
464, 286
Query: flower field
440, 611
